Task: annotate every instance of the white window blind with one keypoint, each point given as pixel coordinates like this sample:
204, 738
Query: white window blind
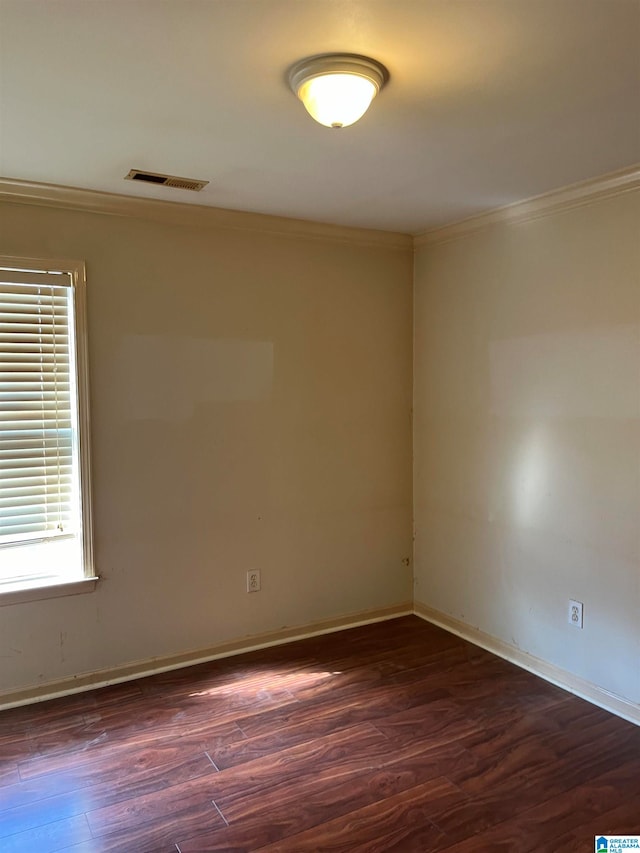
41, 501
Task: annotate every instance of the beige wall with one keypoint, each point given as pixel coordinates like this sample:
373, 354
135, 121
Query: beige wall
251, 399
527, 435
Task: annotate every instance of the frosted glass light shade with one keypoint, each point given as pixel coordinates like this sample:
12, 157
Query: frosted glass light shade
337, 89
337, 100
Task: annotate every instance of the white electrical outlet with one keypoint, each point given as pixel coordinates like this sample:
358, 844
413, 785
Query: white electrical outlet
253, 580
575, 613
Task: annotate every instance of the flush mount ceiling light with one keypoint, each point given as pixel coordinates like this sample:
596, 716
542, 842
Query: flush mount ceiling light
337, 88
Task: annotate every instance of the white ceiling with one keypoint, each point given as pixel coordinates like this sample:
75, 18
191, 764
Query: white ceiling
489, 101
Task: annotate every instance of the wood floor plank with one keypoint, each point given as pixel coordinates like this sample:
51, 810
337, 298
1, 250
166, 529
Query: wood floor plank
212, 705
525, 765
37, 713
316, 719
15, 748
169, 718
147, 843
117, 694
540, 827
49, 837
95, 784
8, 773
391, 736
357, 705
138, 750
66, 737
276, 822
439, 721
287, 808
399, 822
159, 817
397, 771
360, 697
107, 762
118, 845
57, 796
341, 753
621, 820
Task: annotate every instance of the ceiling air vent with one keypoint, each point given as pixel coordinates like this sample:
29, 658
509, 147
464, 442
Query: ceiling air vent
166, 180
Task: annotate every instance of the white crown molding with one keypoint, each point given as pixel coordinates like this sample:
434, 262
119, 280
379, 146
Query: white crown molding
141, 669
566, 198
549, 672
192, 215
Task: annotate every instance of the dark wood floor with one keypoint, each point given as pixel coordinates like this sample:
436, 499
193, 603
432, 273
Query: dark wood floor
394, 736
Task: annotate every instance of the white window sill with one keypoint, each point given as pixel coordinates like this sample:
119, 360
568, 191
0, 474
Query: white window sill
17, 595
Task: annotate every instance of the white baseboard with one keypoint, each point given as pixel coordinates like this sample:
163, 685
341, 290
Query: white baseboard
140, 669
555, 675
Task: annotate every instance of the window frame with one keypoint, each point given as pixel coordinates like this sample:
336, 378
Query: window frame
53, 587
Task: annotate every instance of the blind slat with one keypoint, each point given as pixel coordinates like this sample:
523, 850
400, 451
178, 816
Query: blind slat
14, 279
36, 397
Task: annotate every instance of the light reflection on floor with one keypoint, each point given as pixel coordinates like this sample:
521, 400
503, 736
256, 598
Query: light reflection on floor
266, 681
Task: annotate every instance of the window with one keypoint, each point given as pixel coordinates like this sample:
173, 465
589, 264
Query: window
45, 515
